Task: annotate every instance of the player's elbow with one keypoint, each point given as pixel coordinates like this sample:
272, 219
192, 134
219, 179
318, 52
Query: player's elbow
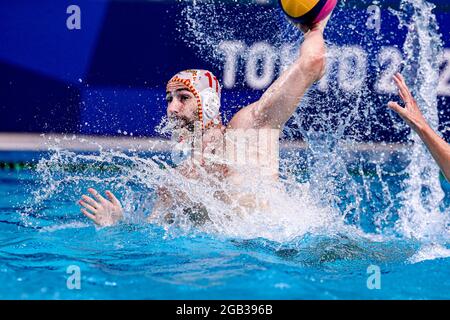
313, 64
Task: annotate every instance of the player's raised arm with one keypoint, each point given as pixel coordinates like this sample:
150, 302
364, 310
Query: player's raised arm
281, 99
411, 113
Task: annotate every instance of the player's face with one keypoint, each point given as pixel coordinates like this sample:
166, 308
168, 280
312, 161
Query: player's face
181, 105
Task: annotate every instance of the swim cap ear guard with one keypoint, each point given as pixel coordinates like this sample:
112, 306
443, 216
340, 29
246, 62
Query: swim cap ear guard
205, 87
210, 105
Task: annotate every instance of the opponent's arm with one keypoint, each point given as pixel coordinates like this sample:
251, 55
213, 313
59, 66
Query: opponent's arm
281, 99
411, 113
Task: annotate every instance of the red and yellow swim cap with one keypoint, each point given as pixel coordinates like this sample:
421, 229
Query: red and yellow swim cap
206, 89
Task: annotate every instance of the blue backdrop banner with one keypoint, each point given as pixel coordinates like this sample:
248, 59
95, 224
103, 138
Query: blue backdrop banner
100, 67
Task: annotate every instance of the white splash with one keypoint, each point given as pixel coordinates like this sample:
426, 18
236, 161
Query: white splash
421, 217
430, 252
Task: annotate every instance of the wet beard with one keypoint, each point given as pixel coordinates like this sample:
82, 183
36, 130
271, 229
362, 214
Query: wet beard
181, 129
170, 126
181, 124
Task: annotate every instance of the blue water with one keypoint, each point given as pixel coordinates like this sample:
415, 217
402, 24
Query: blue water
142, 261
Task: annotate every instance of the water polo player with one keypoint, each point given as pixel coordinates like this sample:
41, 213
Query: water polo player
193, 96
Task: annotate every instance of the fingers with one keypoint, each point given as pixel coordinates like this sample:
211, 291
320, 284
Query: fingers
87, 214
96, 195
404, 91
400, 77
101, 211
399, 82
96, 204
402, 95
113, 198
90, 201
396, 107
87, 206
399, 85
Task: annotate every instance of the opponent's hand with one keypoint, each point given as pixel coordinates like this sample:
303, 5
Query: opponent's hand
411, 112
102, 211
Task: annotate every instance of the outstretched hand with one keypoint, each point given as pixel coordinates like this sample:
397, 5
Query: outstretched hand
411, 112
104, 212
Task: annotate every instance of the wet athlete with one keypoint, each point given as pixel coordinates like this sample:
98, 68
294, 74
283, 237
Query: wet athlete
193, 97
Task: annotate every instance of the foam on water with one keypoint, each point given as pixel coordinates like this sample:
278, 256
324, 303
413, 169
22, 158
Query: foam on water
293, 212
430, 252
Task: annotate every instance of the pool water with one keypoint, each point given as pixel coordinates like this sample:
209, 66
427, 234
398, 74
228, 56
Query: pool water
39, 244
